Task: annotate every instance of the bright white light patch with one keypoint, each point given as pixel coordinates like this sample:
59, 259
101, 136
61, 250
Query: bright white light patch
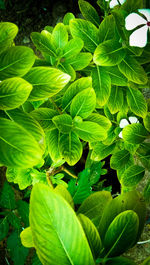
123, 123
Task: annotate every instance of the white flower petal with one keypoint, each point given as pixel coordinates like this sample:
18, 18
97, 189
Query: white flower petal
123, 123
145, 12
133, 119
133, 20
139, 37
122, 1
120, 135
113, 3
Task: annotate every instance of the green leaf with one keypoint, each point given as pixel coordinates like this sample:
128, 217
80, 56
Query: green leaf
119, 261
59, 36
132, 176
68, 69
83, 103
63, 243
63, 123
132, 6
4, 228
121, 233
107, 29
136, 102
117, 78
8, 32
46, 81
90, 131
146, 261
68, 16
28, 123
18, 147
7, 197
44, 117
132, 70
109, 53
17, 252
14, 92
61, 190
43, 42
70, 148
94, 205
23, 210
102, 85
74, 89
89, 12
101, 151
16, 61
92, 234
95, 169
100, 119
26, 238
119, 159
80, 189
14, 221
72, 48
53, 140
134, 133
22, 177
86, 31
81, 61
146, 121
115, 100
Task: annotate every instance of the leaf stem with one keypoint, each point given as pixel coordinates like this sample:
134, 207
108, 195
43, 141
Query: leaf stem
53, 102
68, 172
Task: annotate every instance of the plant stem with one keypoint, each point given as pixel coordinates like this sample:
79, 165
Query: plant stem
53, 102
68, 172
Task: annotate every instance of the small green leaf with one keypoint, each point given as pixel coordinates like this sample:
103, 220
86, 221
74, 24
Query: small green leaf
68, 16
146, 121
4, 228
109, 53
26, 238
8, 32
101, 151
7, 197
89, 12
63, 123
53, 140
44, 117
16, 61
59, 36
86, 31
14, 221
92, 234
133, 70
46, 81
70, 148
90, 131
107, 29
22, 177
68, 69
117, 78
81, 61
115, 100
134, 133
121, 233
136, 102
132, 176
43, 43
102, 85
100, 119
83, 103
72, 48
119, 159
13, 92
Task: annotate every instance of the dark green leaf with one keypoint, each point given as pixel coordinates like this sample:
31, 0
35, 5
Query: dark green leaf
7, 197
119, 159
4, 228
89, 12
134, 133
132, 176
23, 210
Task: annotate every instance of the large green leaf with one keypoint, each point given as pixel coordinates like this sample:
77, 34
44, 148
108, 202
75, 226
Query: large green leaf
119, 159
134, 133
70, 148
18, 147
83, 103
81, 61
46, 81
94, 206
89, 12
100, 119
102, 85
72, 48
101, 151
121, 233
132, 6
86, 31
136, 102
107, 29
43, 42
8, 32
109, 53
91, 234
132, 176
60, 35
54, 242
44, 117
13, 92
68, 16
74, 89
117, 78
133, 70
28, 123
16, 61
90, 131
52, 140
62, 190
115, 100
63, 123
